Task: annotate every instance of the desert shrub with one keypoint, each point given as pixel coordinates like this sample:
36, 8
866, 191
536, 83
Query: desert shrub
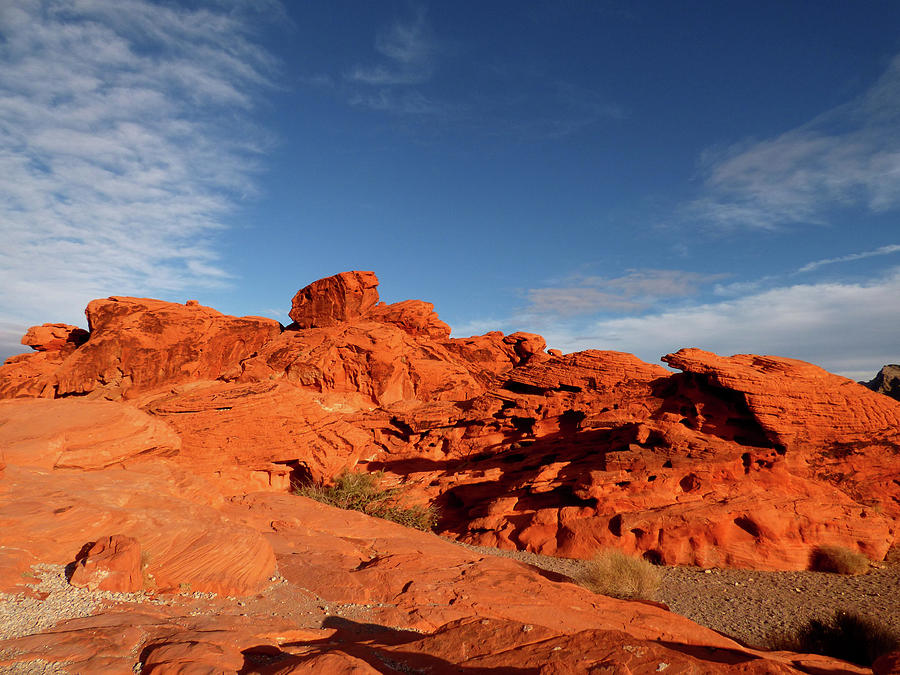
846, 635
363, 492
838, 559
619, 575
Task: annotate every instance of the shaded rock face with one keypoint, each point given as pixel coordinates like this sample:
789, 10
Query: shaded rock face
747, 461
887, 381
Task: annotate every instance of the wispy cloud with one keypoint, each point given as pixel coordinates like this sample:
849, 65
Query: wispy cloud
124, 142
567, 110
402, 103
636, 290
883, 250
407, 49
849, 156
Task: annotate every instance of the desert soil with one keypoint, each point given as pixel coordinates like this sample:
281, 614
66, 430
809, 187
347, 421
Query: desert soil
755, 607
749, 606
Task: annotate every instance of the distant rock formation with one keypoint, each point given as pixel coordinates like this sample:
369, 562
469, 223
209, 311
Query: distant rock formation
887, 381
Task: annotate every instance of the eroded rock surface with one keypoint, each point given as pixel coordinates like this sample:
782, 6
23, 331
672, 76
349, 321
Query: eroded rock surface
747, 461
74, 433
426, 605
743, 461
335, 300
110, 564
136, 344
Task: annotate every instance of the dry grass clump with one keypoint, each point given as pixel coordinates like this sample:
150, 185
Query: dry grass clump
618, 575
846, 635
363, 492
839, 560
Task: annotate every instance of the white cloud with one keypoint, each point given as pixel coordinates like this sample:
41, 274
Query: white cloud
849, 156
847, 328
634, 291
11, 339
574, 300
883, 250
123, 144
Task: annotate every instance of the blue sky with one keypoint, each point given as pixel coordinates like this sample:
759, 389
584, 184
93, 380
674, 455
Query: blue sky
638, 176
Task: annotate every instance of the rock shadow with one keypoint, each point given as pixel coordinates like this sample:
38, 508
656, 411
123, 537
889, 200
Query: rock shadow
373, 643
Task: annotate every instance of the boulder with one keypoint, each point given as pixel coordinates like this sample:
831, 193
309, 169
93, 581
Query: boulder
55, 337
338, 299
111, 564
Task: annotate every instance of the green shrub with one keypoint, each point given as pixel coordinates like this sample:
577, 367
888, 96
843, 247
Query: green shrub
618, 575
363, 492
847, 635
839, 560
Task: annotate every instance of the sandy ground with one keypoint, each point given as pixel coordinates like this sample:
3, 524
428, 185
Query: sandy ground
754, 607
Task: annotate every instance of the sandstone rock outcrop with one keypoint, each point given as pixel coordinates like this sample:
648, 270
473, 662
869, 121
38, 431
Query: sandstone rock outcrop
797, 405
745, 461
137, 344
55, 337
77, 434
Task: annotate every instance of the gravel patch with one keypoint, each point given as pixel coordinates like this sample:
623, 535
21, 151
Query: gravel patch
22, 614
35, 667
755, 607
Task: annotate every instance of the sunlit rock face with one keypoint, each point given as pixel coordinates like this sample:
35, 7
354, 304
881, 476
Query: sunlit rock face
745, 461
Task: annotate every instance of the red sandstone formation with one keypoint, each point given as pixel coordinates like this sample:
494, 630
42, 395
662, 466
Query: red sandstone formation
335, 300
55, 337
743, 461
137, 344
76, 434
110, 564
554, 454
467, 610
